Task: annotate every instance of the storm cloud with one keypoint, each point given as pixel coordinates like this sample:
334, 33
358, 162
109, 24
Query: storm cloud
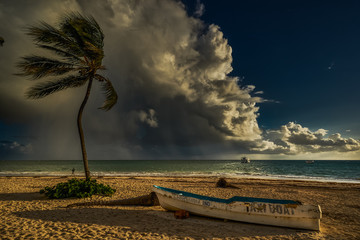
9, 150
171, 72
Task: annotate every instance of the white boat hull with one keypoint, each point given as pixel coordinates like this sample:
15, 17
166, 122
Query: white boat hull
284, 215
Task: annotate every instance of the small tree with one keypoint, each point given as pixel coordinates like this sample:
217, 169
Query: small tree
77, 43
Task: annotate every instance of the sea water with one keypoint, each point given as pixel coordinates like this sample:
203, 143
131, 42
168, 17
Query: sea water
338, 171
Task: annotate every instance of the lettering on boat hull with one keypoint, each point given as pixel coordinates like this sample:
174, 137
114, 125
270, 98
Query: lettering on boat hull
270, 208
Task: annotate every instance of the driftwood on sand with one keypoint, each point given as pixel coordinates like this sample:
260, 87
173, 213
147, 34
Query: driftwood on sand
145, 200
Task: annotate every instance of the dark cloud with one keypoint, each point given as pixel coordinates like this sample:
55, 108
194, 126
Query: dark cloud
14, 150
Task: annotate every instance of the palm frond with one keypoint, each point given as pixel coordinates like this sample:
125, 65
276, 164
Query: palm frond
94, 53
78, 40
109, 91
47, 34
38, 67
69, 56
87, 27
87, 33
44, 89
97, 32
73, 28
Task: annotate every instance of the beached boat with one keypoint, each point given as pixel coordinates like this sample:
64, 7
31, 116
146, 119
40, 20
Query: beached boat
245, 160
285, 213
310, 161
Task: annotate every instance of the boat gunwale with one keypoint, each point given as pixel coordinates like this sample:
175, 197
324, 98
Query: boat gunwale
229, 200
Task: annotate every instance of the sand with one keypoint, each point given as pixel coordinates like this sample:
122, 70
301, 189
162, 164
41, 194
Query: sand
26, 214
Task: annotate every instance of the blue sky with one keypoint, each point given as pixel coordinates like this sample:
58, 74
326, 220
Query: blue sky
198, 80
304, 55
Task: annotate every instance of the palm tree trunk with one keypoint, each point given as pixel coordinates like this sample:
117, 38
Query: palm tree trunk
81, 133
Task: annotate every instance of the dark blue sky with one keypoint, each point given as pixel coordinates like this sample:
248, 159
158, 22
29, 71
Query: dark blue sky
305, 55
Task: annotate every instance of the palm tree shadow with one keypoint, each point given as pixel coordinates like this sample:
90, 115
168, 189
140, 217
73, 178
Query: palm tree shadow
156, 221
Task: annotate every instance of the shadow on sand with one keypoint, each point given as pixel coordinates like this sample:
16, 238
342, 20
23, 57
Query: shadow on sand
28, 196
158, 221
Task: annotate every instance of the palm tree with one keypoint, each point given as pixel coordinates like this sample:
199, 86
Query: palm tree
77, 46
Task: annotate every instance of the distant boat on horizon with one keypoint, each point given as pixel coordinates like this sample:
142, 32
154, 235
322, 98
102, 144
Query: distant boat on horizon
245, 160
309, 161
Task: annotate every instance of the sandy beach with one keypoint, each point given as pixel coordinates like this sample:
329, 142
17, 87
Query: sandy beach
26, 214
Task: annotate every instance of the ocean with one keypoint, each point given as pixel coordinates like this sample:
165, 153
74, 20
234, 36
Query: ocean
335, 171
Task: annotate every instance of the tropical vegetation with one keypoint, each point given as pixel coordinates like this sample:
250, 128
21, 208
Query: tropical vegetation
76, 48
78, 188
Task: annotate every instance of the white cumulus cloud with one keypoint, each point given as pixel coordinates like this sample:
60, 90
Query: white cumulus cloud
293, 138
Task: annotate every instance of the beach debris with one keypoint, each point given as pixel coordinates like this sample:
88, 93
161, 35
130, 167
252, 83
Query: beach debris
181, 214
222, 183
145, 200
1, 41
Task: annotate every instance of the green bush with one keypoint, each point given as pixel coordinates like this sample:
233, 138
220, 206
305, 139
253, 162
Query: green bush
78, 188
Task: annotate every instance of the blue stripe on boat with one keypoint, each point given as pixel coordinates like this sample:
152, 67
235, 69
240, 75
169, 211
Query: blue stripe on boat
230, 200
